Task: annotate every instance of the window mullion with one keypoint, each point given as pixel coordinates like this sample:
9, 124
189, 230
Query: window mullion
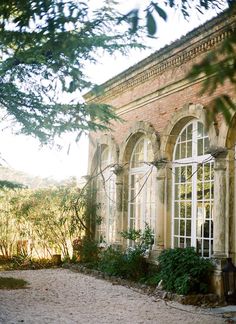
194, 205
194, 185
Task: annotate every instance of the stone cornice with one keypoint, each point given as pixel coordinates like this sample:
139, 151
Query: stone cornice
169, 57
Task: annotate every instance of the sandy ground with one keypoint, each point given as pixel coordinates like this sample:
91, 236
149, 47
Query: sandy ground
63, 296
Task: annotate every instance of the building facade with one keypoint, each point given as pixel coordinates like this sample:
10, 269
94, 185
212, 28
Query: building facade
161, 166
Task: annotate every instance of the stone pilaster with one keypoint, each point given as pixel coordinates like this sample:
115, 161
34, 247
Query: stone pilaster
219, 207
160, 209
119, 203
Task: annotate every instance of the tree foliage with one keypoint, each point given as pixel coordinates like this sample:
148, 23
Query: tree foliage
219, 66
44, 47
47, 220
158, 9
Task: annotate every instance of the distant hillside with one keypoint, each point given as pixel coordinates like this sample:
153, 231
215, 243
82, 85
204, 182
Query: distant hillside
25, 179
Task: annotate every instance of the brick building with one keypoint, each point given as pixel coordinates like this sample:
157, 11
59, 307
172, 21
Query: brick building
160, 166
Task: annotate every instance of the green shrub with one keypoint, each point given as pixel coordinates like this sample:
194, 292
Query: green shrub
129, 264
142, 239
184, 271
88, 251
135, 263
111, 261
151, 277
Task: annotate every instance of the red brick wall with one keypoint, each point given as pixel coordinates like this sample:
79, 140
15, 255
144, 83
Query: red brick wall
159, 112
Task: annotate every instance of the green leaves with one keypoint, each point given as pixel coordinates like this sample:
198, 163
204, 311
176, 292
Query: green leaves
45, 46
133, 19
184, 271
160, 11
222, 104
218, 67
151, 24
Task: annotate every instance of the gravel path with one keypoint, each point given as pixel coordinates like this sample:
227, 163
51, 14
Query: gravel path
62, 296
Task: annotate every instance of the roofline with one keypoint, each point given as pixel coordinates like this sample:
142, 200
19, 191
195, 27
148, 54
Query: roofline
162, 51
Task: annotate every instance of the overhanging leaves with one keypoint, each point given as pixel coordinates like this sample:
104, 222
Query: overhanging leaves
45, 46
218, 67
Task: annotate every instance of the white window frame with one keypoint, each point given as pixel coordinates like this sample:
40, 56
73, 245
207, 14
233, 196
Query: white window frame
194, 161
107, 208
144, 170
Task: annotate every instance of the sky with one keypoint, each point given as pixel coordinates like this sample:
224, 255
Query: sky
25, 154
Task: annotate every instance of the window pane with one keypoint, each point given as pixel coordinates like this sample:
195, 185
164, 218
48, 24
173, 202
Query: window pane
189, 192
200, 132
199, 227
182, 191
207, 190
206, 228
206, 145
188, 210
182, 210
138, 155
200, 147
176, 210
188, 228
199, 173
150, 156
199, 191
131, 224
183, 150
176, 192
207, 211
199, 211
183, 136
176, 242
189, 149
212, 190
188, 242
177, 173
206, 247
193, 181
189, 172
131, 210
207, 171
177, 152
182, 227
189, 132
176, 227
182, 174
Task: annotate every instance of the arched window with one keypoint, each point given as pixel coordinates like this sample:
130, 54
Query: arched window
141, 186
193, 177
106, 199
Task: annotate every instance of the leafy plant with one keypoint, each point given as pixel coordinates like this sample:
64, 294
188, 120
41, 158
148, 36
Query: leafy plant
143, 239
44, 222
129, 264
45, 46
135, 263
184, 271
111, 261
87, 251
